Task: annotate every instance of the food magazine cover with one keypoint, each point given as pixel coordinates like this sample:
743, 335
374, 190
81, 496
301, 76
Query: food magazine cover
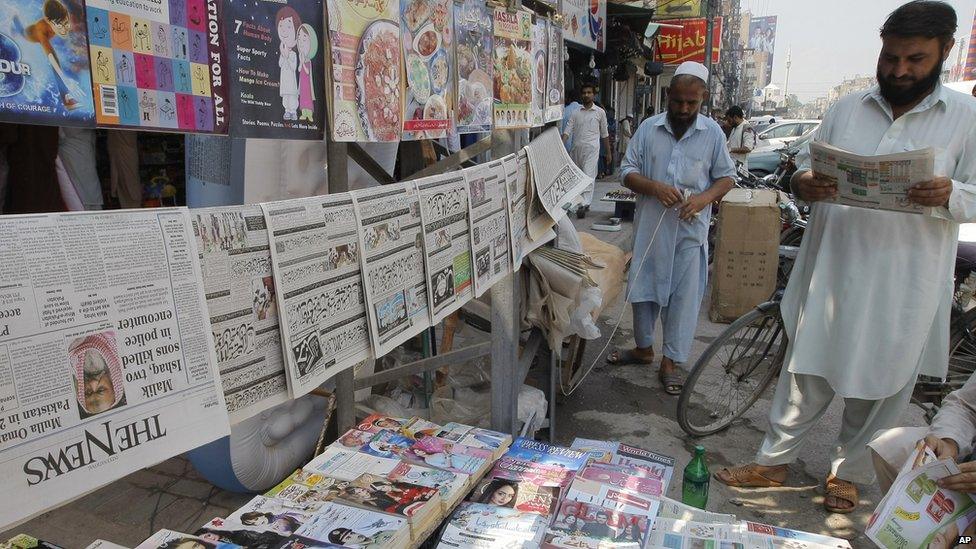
276, 68
427, 28
475, 39
513, 68
365, 101
159, 65
540, 68
46, 78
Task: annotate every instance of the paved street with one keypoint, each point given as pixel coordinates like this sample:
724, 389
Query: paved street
623, 403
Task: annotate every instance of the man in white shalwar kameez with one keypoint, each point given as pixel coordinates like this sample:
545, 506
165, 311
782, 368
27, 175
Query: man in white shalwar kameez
671, 155
867, 305
586, 128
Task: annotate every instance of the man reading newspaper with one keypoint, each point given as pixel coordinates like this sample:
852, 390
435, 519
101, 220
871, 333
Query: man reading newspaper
867, 305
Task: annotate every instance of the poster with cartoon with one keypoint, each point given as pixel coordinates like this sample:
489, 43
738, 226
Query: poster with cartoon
45, 77
158, 65
555, 90
513, 68
540, 51
473, 28
276, 70
365, 60
428, 40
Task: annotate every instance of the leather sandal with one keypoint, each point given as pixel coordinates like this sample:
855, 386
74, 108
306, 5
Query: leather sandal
746, 476
842, 490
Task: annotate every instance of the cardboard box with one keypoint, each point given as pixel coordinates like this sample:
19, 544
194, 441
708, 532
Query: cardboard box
746, 253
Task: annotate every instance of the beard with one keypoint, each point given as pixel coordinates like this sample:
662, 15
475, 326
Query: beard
681, 125
899, 96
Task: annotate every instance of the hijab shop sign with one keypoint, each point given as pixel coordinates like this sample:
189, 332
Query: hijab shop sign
675, 46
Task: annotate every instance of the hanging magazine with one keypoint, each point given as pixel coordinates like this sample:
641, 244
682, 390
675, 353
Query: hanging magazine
473, 31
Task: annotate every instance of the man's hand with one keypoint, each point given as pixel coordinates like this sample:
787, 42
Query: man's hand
667, 195
964, 482
811, 188
943, 448
692, 206
931, 193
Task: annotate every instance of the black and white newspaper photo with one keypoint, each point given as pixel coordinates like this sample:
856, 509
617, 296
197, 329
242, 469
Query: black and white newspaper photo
444, 211
490, 236
106, 357
318, 282
392, 244
517, 190
235, 258
556, 179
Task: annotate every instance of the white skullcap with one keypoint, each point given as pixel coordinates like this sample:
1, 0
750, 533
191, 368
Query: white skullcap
694, 69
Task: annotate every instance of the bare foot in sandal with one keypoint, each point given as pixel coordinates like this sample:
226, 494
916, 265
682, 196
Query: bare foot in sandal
753, 476
670, 377
624, 357
840, 495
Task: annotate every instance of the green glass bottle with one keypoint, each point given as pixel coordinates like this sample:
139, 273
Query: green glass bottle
694, 485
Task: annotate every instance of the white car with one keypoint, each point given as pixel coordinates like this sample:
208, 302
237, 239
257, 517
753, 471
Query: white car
783, 133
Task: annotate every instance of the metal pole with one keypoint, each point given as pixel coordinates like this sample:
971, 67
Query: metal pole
709, 45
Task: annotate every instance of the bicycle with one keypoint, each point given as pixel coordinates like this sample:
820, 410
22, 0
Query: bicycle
743, 361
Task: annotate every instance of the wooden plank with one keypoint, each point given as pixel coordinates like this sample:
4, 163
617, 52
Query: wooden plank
454, 358
455, 160
367, 163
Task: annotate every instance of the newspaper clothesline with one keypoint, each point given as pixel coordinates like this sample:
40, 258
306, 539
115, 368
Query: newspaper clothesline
386, 70
169, 324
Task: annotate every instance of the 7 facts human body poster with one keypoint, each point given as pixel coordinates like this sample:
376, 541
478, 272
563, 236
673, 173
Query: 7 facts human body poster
275, 49
315, 254
158, 65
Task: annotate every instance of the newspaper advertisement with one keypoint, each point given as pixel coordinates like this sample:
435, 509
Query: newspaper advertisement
517, 189
763, 536
388, 222
444, 211
318, 283
106, 357
556, 179
877, 182
917, 513
238, 284
683, 534
490, 235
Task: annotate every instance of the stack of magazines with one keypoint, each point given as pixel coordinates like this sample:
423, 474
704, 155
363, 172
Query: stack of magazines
388, 483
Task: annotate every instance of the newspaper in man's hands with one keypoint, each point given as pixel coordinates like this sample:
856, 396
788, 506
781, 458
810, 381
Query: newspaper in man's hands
878, 182
917, 513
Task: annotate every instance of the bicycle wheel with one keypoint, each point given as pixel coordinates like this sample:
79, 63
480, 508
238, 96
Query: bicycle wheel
962, 350
733, 372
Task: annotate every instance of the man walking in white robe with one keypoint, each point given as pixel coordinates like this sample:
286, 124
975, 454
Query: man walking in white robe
586, 128
867, 305
678, 165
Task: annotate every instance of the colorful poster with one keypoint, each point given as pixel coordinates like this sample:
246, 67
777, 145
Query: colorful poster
513, 68
585, 22
762, 41
44, 73
428, 40
540, 50
555, 85
675, 46
366, 64
158, 65
276, 68
473, 28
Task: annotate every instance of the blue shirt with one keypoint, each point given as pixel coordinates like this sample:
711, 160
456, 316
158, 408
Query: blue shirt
693, 162
568, 111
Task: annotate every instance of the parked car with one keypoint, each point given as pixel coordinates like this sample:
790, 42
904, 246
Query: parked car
784, 133
765, 162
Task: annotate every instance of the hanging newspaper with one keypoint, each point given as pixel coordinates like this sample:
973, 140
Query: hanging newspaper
318, 283
106, 358
556, 179
516, 178
388, 219
490, 236
877, 182
444, 211
554, 83
540, 50
235, 259
917, 513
